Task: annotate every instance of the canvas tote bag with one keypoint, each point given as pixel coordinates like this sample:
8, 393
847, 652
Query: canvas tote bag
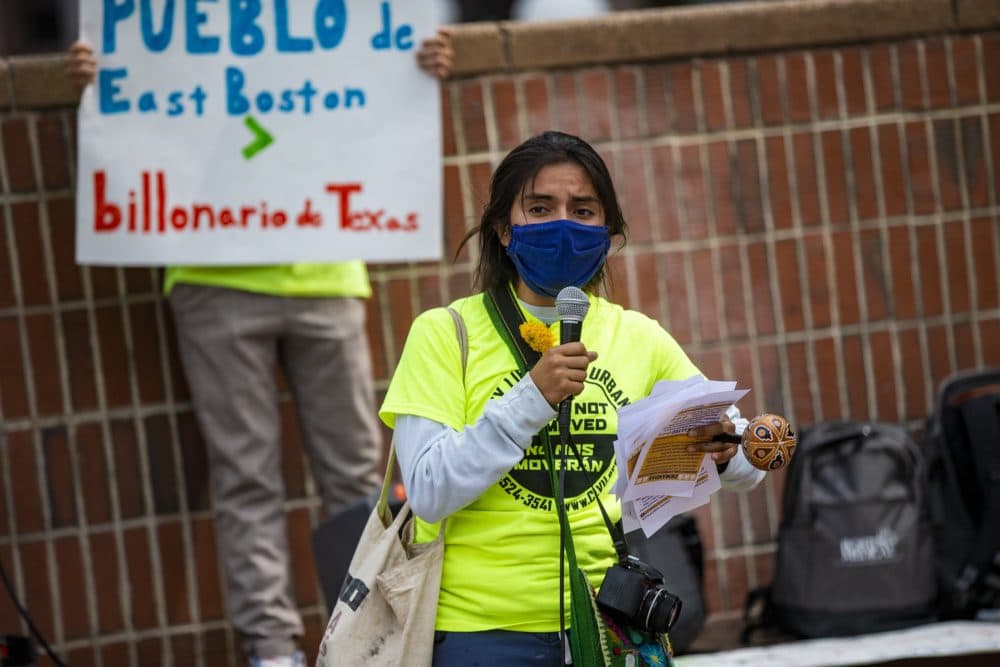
386, 611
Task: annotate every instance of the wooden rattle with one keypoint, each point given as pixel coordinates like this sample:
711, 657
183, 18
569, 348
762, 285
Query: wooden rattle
768, 442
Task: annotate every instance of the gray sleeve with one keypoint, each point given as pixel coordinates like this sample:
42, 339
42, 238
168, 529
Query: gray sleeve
444, 470
739, 475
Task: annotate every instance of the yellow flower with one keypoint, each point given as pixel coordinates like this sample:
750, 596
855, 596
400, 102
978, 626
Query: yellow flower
537, 335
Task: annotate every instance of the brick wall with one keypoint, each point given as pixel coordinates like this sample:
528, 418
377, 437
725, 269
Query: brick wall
819, 222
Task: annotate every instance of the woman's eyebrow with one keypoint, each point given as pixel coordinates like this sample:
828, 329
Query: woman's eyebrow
536, 196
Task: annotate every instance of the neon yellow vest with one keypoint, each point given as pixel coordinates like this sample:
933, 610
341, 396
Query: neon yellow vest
501, 563
296, 280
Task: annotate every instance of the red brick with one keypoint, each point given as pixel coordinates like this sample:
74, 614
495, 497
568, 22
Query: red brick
721, 181
127, 469
764, 566
104, 281
706, 295
985, 263
684, 116
966, 68
617, 278
52, 148
789, 285
893, 185
769, 90
910, 81
150, 651
373, 331
666, 195
885, 377
819, 284
852, 66
473, 116
648, 285
678, 300
761, 300
732, 527
538, 107
567, 110
448, 145
194, 459
40, 330
977, 177
17, 153
711, 95
633, 195
900, 259
595, 109
949, 172
965, 346
173, 571
85, 656
183, 648
429, 292
206, 561
62, 230
710, 363
36, 595
146, 352
844, 256
866, 199
692, 193
654, 87
23, 468
957, 278
7, 297
797, 87
111, 337
798, 377
13, 383
162, 465
480, 174
760, 525
305, 579
59, 477
749, 208
835, 169
994, 121
72, 594
30, 253
504, 94
712, 587
805, 173
293, 466
930, 271
856, 372
825, 353
731, 277
741, 363
778, 182
937, 350
989, 331
827, 102
991, 56
115, 654
7, 608
936, 65
93, 473
739, 92
880, 66
627, 82
914, 388
141, 576
921, 177
459, 284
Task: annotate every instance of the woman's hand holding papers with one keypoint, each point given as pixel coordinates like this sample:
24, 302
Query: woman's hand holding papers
720, 452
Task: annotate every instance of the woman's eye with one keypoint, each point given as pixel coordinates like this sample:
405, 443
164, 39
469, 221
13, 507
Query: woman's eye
537, 210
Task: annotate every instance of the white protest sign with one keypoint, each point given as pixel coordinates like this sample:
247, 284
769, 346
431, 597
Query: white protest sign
258, 132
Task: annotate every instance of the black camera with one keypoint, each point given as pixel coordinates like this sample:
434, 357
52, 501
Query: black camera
635, 591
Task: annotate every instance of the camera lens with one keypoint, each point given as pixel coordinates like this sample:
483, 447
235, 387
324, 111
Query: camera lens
659, 609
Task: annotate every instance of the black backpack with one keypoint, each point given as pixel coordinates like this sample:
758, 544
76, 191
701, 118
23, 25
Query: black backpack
962, 446
855, 553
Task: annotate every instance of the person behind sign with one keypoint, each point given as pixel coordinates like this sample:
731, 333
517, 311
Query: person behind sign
233, 324
467, 438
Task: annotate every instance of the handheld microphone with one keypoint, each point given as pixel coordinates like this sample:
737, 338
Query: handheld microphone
572, 305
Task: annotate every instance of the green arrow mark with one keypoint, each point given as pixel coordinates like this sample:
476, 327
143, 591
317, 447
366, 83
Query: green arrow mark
261, 138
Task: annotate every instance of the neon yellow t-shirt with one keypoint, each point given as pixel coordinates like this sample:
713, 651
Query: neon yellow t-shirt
501, 562
349, 279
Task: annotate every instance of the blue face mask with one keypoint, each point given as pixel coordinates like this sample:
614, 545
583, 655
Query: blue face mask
552, 255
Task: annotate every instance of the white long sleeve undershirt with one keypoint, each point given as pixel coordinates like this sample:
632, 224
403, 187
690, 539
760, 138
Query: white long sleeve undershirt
444, 470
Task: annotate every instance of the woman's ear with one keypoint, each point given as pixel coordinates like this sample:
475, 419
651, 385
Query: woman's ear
503, 231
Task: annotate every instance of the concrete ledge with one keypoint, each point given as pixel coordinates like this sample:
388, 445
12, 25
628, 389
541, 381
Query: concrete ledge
723, 28
645, 35
977, 14
39, 82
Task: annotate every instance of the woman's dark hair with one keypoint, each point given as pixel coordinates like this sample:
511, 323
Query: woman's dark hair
519, 167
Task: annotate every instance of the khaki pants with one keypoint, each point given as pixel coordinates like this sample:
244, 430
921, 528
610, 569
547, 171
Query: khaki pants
229, 342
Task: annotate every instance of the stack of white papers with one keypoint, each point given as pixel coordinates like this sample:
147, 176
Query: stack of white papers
658, 477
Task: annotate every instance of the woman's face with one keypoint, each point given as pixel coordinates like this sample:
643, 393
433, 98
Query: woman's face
559, 192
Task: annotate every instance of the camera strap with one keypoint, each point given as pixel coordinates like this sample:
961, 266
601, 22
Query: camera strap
501, 304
